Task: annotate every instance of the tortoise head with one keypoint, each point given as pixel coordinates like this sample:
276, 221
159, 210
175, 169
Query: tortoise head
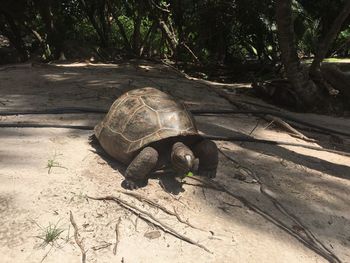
182, 158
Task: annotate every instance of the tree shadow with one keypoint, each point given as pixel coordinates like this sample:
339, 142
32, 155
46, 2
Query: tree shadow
101, 93
296, 202
338, 170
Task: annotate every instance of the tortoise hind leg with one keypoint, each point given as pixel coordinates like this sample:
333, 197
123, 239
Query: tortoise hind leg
207, 153
139, 168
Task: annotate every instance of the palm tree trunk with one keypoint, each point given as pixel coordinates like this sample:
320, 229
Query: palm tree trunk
302, 84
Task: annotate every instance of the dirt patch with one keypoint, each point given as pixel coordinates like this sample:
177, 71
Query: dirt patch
281, 196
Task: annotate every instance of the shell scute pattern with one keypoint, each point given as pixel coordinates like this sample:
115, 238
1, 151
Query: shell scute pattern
143, 123
140, 117
118, 118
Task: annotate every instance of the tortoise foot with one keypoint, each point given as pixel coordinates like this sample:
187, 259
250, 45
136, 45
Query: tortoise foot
133, 185
207, 173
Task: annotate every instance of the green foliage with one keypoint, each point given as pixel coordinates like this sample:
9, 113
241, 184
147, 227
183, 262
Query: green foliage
51, 163
217, 31
189, 174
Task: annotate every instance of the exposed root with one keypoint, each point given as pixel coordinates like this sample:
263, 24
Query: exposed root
287, 127
77, 238
102, 246
116, 236
148, 217
309, 239
163, 208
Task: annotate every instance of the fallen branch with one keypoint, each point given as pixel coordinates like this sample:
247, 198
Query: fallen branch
163, 208
77, 237
288, 127
246, 110
284, 125
190, 51
309, 240
245, 105
234, 138
148, 217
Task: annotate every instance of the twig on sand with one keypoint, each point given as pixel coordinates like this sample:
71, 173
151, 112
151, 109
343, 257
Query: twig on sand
284, 125
116, 236
77, 237
102, 246
148, 217
48, 252
164, 209
309, 240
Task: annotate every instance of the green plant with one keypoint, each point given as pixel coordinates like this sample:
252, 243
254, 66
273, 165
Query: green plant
53, 163
50, 234
189, 174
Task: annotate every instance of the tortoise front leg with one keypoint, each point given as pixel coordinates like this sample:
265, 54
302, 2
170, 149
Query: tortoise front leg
207, 153
139, 168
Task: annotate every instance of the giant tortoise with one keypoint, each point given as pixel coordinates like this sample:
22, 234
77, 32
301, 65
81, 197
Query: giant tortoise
148, 129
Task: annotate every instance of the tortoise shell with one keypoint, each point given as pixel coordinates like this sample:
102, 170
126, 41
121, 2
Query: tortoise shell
140, 117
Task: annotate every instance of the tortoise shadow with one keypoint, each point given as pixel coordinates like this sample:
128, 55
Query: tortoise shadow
167, 179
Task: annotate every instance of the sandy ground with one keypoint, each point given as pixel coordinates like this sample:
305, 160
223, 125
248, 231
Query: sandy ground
282, 204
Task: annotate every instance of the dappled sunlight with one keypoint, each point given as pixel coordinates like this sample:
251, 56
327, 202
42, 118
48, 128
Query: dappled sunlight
60, 77
84, 64
308, 183
49, 86
31, 148
297, 179
254, 167
322, 155
318, 200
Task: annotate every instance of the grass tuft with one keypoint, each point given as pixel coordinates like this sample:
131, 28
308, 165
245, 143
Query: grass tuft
50, 234
53, 163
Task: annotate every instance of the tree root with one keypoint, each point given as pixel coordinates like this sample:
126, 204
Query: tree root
164, 209
77, 237
309, 240
116, 236
247, 106
325, 253
336, 79
247, 110
211, 137
282, 115
288, 128
148, 217
102, 246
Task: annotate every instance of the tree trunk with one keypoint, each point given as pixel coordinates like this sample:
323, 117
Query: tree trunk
123, 33
42, 42
54, 39
325, 44
14, 35
337, 78
148, 36
103, 17
136, 37
302, 84
149, 46
168, 34
90, 10
113, 10
178, 16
